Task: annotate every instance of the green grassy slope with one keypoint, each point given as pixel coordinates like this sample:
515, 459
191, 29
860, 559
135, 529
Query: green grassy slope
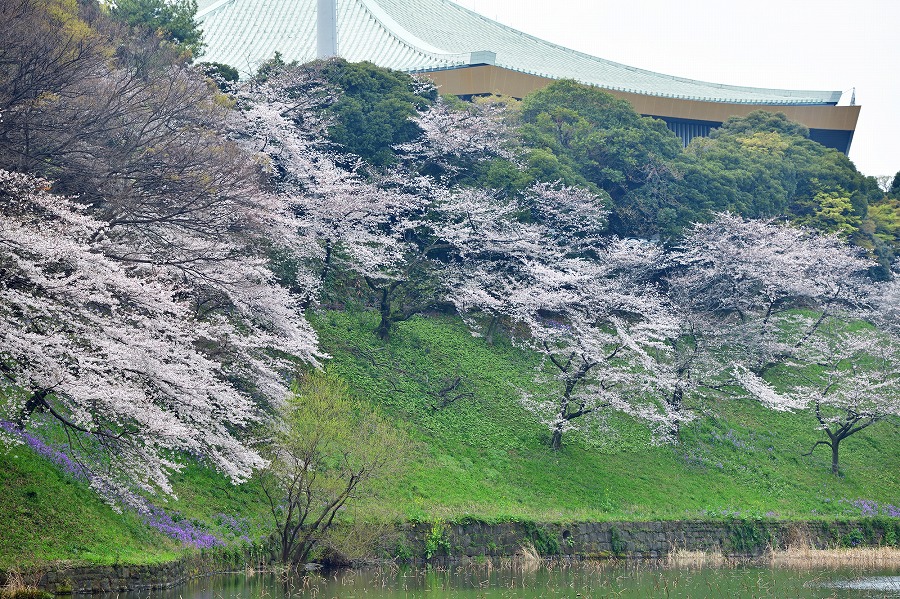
486, 456
480, 455
47, 515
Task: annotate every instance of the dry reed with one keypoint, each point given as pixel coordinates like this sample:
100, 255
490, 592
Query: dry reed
858, 557
18, 587
682, 558
527, 558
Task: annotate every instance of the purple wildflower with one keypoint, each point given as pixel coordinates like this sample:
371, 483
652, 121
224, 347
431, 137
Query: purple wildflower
870, 509
867, 508
48, 452
235, 525
181, 529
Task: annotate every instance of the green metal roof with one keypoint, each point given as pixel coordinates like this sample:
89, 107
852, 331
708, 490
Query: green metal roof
423, 35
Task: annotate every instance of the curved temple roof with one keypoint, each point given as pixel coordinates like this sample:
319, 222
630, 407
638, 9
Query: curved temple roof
427, 35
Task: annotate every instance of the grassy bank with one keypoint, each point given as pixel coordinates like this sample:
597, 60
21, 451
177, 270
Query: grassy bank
484, 455
475, 452
47, 515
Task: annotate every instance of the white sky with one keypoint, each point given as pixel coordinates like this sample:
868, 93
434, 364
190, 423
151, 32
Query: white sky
794, 44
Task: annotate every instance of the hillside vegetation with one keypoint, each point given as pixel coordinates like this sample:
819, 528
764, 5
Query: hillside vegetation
481, 456
236, 315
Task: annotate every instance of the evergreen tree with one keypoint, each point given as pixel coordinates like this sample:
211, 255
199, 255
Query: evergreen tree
173, 21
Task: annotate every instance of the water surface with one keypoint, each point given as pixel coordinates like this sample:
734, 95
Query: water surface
571, 581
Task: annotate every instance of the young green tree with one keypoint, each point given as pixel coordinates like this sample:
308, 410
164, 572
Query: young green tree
833, 213
324, 450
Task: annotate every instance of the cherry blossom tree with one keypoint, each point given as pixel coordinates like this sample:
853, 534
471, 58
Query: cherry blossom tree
377, 228
886, 303
454, 137
373, 223
673, 372
139, 138
592, 318
745, 280
740, 277
847, 376
122, 355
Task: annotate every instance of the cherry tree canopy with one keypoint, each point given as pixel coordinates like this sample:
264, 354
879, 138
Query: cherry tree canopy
120, 352
886, 303
593, 318
748, 268
848, 376
739, 277
454, 137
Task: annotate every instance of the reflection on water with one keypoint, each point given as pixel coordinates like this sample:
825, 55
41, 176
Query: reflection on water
553, 581
889, 585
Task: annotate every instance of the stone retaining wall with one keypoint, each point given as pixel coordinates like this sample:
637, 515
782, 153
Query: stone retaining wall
446, 542
66, 579
737, 538
105, 579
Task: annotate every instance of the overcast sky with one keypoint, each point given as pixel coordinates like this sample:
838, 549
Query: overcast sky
794, 44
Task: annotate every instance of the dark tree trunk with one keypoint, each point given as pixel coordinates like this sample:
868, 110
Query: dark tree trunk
677, 405
556, 439
835, 444
384, 306
32, 404
384, 326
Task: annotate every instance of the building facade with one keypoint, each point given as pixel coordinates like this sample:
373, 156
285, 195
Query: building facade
467, 54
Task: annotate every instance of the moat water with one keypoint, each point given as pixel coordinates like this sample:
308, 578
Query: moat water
570, 581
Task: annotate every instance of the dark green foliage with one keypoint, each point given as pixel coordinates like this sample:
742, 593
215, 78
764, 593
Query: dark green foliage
895, 185
747, 536
759, 166
890, 533
764, 166
173, 21
402, 552
544, 541
584, 136
374, 110
854, 538
616, 543
219, 70
760, 121
503, 175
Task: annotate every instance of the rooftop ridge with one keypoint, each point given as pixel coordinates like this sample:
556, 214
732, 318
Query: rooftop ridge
833, 96
434, 35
